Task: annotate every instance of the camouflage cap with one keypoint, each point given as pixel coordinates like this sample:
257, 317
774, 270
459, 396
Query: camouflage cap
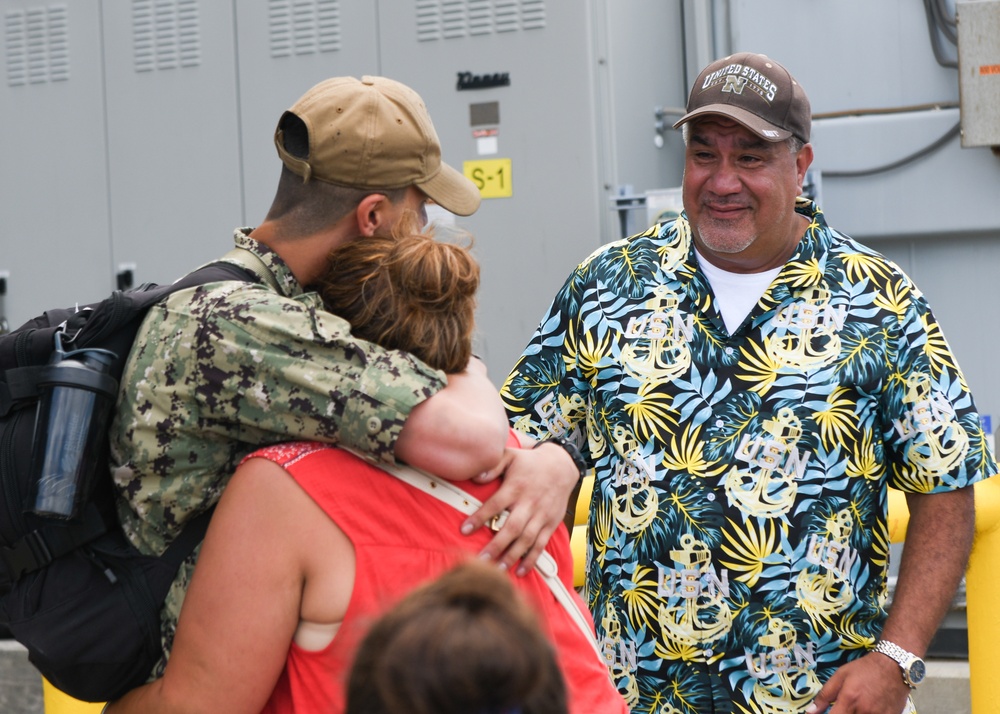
755, 91
374, 133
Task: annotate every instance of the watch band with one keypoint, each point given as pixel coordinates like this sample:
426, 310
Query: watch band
912, 666
571, 449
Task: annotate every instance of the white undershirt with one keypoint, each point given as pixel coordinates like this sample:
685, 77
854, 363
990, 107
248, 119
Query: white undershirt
736, 293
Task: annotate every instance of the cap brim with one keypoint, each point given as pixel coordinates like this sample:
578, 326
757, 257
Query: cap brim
452, 191
763, 129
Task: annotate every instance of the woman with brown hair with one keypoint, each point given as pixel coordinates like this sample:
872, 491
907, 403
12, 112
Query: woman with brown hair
408, 292
310, 544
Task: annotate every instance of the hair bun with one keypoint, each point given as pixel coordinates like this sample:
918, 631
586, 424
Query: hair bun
406, 292
433, 276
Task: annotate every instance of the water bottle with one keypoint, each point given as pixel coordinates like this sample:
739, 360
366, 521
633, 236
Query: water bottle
75, 402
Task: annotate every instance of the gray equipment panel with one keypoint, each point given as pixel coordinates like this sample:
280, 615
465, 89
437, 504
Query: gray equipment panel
166, 130
53, 175
549, 127
53, 179
173, 141
529, 241
979, 71
284, 48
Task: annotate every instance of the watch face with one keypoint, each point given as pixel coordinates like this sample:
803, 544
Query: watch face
917, 672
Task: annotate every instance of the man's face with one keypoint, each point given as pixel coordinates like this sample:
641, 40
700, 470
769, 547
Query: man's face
739, 195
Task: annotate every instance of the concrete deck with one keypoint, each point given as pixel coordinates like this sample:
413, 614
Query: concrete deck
20, 683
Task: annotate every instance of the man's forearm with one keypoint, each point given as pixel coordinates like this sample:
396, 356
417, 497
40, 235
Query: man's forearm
458, 433
938, 541
936, 551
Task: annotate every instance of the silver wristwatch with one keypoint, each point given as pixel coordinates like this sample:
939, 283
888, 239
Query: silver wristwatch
914, 669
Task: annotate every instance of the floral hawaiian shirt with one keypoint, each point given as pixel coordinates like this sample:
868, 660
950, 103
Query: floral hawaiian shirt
737, 541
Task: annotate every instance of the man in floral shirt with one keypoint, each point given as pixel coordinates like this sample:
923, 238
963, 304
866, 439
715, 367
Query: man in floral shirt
746, 383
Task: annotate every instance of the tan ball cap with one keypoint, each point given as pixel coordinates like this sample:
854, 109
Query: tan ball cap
375, 133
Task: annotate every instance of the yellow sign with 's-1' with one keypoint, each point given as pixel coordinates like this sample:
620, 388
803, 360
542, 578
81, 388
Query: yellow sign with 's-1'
491, 176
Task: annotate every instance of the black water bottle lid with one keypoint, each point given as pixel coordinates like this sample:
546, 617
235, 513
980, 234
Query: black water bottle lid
73, 373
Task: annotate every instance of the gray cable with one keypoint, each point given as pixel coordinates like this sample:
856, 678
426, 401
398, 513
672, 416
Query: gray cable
947, 23
948, 136
934, 28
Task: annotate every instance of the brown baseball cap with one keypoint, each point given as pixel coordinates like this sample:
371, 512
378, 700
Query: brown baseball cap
754, 90
374, 133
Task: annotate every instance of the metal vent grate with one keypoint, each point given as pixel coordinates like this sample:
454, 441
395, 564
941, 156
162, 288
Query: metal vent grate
451, 19
166, 34
508, 17
533, 14
303, 27
37, 45
428, 20
480, 17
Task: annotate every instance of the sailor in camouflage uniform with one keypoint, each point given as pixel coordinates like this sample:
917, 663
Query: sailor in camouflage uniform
219, 370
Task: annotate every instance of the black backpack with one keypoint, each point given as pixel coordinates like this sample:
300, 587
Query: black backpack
74, 591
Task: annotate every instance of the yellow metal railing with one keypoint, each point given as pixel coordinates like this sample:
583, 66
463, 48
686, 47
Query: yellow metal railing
578, 538
55, 702
982, 614
981, 582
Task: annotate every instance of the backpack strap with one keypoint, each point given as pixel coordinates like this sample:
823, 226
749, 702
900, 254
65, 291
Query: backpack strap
18, 385
251, 263
188, 539
41, 546
223, 269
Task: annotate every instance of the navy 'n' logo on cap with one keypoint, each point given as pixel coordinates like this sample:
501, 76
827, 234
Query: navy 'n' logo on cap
734, 83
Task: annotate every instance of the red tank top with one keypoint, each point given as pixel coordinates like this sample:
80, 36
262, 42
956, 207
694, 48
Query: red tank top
402, 538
